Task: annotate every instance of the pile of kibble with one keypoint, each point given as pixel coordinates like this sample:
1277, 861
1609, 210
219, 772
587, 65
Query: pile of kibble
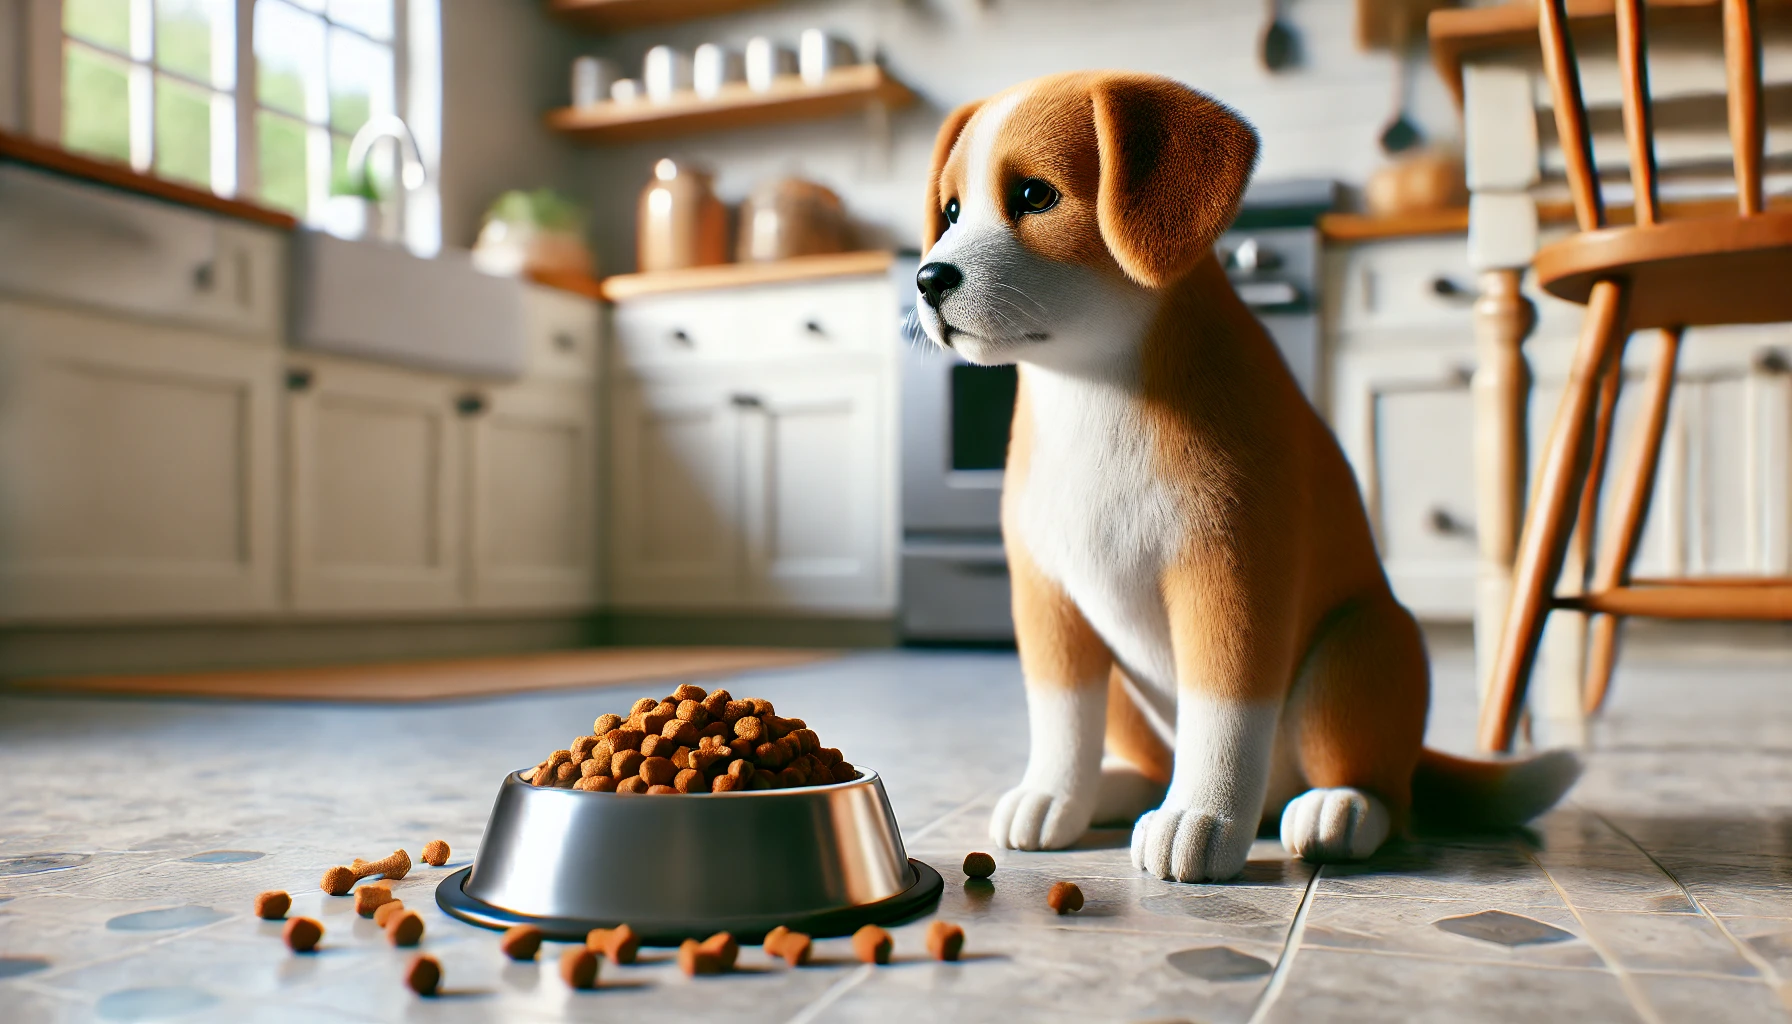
694, 742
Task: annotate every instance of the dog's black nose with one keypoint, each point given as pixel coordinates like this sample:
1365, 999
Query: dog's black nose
936, 281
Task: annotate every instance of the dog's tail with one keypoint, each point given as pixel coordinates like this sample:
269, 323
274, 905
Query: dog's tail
1456, 792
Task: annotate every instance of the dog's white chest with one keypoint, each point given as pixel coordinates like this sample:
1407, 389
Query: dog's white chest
1097, 519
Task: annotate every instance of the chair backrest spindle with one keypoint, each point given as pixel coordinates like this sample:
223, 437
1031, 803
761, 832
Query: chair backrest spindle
1742, 65
1571, 113
1639, 124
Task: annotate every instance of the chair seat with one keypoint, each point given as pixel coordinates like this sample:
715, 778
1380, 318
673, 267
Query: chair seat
1686, 273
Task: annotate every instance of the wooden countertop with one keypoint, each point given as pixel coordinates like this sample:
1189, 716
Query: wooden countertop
1345, 228
736, 275
20, 149
1458, 31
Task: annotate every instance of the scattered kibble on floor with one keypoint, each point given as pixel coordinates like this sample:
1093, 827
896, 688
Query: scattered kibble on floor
619, 945
435, 853
578, 968
979, 864
386, 912
1064, 898
406, 929
945, 940
272, 905
521, 942
301, 934
872, 944
424, 975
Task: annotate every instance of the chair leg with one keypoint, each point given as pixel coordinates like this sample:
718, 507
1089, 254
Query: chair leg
1550, 519
1635, 489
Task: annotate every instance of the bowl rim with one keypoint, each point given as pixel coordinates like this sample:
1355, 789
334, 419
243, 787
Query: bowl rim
866, 776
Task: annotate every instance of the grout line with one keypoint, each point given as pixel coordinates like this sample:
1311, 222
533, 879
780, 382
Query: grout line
832, 995
1638, 1002
1297, 930
1761, 964
942, 819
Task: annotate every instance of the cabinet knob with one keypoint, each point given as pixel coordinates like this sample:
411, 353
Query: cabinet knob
813, 327
564, 341
680, 337
1771, 360
1445, 288
470, 404
746, 401
205, 276
1441, 521
298, 379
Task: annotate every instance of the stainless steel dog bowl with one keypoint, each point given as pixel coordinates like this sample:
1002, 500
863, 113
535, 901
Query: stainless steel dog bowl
823, 860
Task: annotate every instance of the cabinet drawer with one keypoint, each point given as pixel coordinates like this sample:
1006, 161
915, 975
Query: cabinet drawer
1399, 283
562, 333
93, 247
826, 316
810, 318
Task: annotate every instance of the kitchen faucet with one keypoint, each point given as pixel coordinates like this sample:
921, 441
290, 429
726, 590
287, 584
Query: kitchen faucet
412, 175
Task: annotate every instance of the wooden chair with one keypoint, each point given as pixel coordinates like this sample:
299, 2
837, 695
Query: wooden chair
1668, 276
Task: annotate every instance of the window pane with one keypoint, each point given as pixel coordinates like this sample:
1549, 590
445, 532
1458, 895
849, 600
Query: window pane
193, 38
106, 22
360, 81
285, 181
183, 132
289, 59
371, 17
96, 104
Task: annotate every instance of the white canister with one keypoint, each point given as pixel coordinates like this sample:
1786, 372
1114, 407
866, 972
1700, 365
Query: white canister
767, 62
822, 53
667, 72
591, 80
714, 66
625, 90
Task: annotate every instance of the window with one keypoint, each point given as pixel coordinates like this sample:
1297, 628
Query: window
257, 98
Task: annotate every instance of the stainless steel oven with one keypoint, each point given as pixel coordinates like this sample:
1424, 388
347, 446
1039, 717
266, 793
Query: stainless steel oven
955, 420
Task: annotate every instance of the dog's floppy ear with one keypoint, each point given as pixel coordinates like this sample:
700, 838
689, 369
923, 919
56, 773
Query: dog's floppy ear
934, 218
1174, 164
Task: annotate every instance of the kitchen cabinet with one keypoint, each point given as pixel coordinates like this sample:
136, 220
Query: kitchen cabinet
139, 468
753, 458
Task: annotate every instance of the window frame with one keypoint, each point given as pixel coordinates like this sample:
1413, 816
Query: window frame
416, 67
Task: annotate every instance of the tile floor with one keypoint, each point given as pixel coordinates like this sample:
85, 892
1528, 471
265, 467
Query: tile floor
134, 833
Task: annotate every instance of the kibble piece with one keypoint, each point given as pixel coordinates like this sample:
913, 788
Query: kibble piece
581, 747
845, 772
763, 779
338, 880
658, 771
735, 710
272, 905
944, 940
626, 763
693, 712
872, 944
521, 942
537, 776
690, 780
657, 746
435, 853
681, 733
619, 944
750, 729
1065, 898
370, 898
387, 911
795, 949
578, 968
635, 784
424, 975
725, 784
642, 706
722, 946
566, 775
716, 702
596, 784
694, 960
661, 791
774, 938
406, 929
301, 934
761, 706
688, 691
605, 723
655, 720
595, 766
625, 739
978, 864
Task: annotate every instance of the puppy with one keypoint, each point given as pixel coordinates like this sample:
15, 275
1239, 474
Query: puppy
1196, 590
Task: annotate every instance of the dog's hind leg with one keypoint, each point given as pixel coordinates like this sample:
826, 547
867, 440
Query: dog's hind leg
1356, 718
1136, 762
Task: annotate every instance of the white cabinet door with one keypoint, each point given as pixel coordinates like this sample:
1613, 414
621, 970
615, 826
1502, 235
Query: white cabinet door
139, 469
674, 485
375, 462
532, 496
813, 493
1405, 419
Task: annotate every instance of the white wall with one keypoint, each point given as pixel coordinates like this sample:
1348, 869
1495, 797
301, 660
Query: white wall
1321, 119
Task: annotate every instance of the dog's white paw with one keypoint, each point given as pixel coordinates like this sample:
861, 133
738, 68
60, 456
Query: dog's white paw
1036, 819
1334, 824
1190, 846
1124, 794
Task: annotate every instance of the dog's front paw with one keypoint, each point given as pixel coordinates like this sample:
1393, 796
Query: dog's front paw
1190, 846
1334, 824
1037, 819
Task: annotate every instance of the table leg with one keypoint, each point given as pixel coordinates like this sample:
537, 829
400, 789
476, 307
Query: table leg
1503, 317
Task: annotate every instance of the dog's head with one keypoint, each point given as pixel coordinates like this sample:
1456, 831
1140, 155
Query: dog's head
1057, 209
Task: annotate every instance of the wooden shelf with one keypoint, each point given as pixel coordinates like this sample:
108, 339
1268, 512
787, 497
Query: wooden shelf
789, 99
616, 15
737, 275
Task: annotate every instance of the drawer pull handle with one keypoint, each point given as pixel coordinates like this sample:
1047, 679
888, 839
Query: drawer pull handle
681, 337
747, 401
1444, 288
205, 276
564, 341
298, 379
1442, 522
1771, 360
470, 404
813, 327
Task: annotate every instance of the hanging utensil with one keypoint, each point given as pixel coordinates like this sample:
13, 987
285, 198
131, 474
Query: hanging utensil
1279, 44
1400, 134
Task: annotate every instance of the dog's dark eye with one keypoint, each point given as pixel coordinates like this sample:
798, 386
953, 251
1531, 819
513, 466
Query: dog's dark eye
1034, 196
951, 211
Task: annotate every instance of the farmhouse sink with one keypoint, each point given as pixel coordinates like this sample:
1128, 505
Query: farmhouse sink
380, 302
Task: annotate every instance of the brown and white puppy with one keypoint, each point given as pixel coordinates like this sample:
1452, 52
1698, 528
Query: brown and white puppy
1195, 585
